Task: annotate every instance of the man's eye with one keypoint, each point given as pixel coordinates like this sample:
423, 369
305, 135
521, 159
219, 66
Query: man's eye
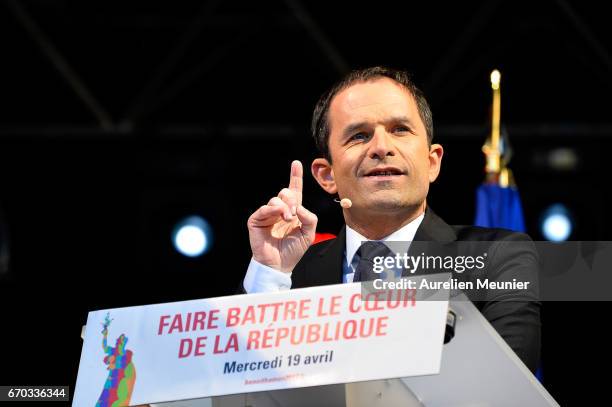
401, 129
359, 136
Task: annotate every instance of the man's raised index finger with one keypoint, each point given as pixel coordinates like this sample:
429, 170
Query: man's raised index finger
296, 180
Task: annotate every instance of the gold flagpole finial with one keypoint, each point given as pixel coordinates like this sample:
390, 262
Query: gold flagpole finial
495, 79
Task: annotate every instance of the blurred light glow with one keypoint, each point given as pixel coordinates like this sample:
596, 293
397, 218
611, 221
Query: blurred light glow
563, 159
192, 236
556, 223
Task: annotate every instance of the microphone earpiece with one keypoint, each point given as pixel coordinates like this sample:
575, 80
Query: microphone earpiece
344, 202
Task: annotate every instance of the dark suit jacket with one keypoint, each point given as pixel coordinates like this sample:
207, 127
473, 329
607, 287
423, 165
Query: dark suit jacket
511, 255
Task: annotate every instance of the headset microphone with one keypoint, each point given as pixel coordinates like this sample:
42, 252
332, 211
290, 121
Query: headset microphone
344, 202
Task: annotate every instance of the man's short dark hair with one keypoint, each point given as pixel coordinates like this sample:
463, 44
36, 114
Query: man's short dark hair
320, 119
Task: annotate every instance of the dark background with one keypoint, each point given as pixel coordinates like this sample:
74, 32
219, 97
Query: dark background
120, 118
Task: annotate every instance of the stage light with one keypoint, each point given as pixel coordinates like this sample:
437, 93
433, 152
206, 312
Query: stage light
192, 236
556, 223
563, 159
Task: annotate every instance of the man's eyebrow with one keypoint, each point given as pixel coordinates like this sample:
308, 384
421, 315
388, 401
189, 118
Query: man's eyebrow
351, 128
399, 119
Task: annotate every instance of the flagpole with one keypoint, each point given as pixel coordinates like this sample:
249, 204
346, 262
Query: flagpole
495, 123
495, 173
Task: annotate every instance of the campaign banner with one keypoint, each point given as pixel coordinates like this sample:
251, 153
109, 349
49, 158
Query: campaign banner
257, 342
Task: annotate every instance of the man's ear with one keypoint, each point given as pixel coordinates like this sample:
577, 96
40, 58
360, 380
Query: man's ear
435, 161
323, 173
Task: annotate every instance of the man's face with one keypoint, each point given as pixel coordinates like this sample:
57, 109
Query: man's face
380, 155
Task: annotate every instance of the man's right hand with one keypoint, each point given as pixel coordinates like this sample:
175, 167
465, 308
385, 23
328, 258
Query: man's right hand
281, 231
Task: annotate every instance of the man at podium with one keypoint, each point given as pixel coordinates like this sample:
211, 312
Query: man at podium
374, 133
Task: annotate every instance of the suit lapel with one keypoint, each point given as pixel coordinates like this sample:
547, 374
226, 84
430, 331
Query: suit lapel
433, 228
432, 238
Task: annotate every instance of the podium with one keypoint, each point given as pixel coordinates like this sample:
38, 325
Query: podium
478, 369
347, 347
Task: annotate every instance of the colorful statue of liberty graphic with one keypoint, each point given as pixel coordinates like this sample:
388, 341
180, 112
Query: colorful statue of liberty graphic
121, 372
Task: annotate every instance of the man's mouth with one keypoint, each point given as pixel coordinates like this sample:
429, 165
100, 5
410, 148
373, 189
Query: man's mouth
384, 172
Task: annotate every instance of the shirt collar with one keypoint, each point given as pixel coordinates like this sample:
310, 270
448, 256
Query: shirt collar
404, 234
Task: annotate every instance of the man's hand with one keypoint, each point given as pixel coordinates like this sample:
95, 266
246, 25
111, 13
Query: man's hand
281, 231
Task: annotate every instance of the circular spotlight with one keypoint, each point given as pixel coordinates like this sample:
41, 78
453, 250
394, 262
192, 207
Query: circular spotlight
556, 223
192, 236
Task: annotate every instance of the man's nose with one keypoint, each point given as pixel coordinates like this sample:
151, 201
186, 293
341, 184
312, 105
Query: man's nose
381, 145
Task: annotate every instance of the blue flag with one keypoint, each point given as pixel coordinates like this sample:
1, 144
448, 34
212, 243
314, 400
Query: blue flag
499, 207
